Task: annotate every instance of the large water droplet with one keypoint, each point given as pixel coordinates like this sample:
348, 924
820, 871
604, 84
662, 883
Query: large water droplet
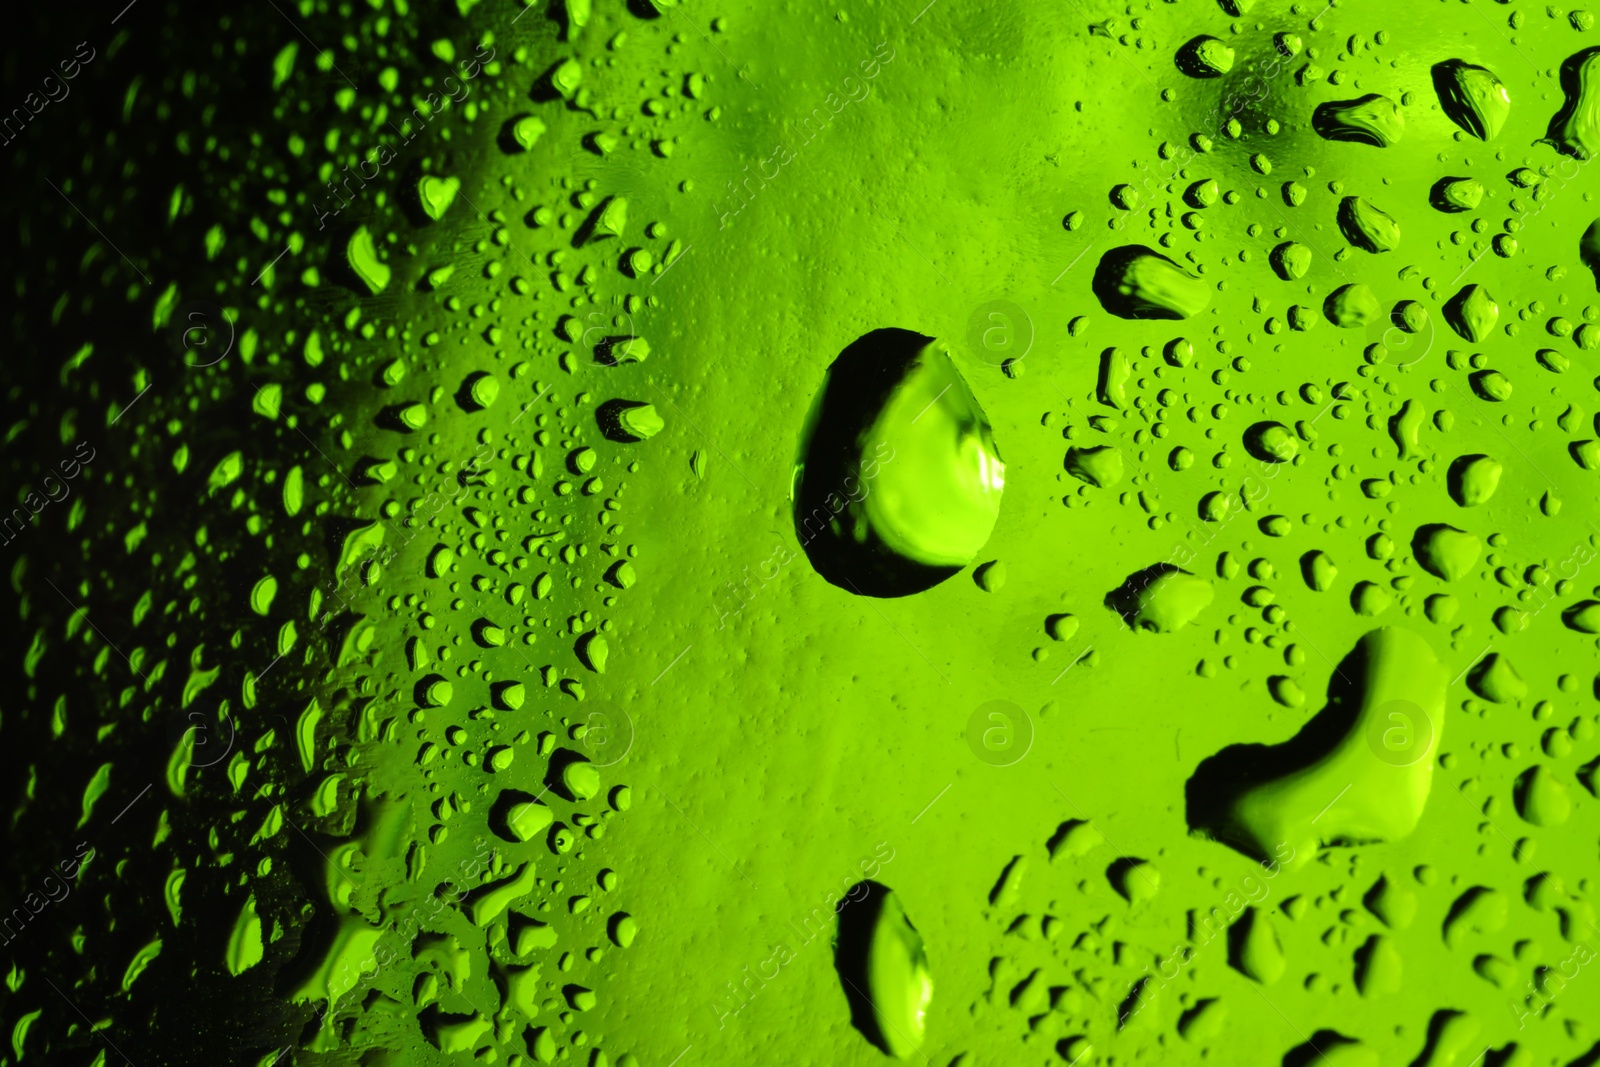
1575, 130
1373, 119
898, 483
1368, 227
1473, 97
884, 969
1135, 282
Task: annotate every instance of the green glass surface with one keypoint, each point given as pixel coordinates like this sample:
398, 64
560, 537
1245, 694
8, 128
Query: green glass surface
645, 533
